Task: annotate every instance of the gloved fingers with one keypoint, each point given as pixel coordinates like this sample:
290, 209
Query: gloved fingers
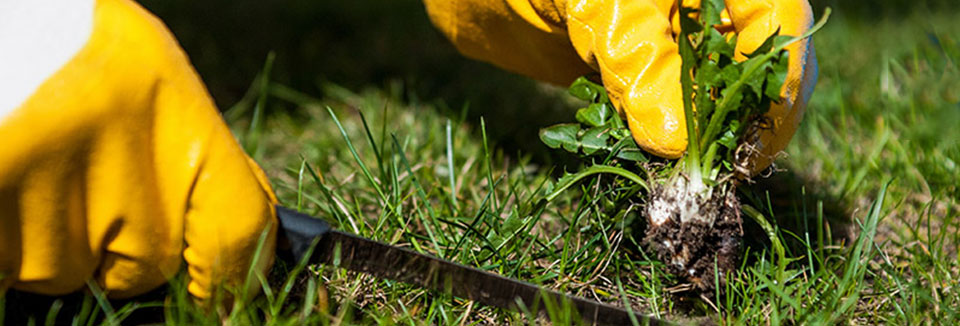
725, 25
229, 205
654, 109
123, 276
230, 227
522, 36
754, 21
77, 173
631, 43
785, 118
117, 163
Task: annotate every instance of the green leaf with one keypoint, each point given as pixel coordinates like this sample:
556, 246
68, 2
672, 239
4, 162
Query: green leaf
755, 81
729, 138
586, 90
594, 115
766, 46
688, 25
561, 135
593, 140
734, 98
548, 186
731, 73
708, 74
776, 78
631, 152
620, 133
567, 179
716, 43
727, 165
780, 40
705, 106
616, 122
732, 43
725, 92
710, 12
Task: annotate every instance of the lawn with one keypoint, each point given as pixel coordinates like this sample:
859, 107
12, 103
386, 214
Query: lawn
858, 226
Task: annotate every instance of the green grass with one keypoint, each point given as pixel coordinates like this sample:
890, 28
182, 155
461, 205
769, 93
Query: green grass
861, 228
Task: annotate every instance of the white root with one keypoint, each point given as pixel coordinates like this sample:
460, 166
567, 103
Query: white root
682, 198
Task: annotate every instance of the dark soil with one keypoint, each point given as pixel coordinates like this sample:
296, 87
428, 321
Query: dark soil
692, 249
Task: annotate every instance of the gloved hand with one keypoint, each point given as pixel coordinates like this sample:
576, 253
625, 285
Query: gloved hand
632, 44
117, 166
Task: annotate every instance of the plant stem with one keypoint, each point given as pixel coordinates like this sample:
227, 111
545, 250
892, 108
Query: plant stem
595, 170
716, 120
686, 84
708, 159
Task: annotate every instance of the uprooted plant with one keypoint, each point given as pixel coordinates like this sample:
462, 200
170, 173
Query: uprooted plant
692, 211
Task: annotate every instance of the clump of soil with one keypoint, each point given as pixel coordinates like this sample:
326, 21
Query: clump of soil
693, 229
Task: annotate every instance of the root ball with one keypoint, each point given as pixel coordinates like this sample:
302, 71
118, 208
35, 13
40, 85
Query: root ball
694, 231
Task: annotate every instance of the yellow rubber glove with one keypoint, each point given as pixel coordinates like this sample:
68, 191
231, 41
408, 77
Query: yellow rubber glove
632, 44
118, 167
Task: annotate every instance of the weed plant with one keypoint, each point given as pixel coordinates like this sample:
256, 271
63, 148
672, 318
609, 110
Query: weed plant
878, 138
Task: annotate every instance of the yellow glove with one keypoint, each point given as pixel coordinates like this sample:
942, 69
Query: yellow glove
631, 43
116, 167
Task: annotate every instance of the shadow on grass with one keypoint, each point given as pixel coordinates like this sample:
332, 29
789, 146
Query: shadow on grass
373, 43
799, 207
22, 307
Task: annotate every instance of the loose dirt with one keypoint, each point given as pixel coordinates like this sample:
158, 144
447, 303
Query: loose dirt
692, 249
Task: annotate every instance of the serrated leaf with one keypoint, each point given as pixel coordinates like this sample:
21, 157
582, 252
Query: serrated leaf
705, 107
728, 140
729, 137
716, 43
561, 135
593, 140
594, 115
688, 25
777, 77
731, 73
710, 12
566, 179
504, 231
708, 74
755, 81
729, 96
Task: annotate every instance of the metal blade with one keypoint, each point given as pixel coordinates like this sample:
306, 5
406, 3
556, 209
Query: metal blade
394, 263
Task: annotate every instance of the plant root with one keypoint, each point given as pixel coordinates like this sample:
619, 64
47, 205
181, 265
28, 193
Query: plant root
695, 233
